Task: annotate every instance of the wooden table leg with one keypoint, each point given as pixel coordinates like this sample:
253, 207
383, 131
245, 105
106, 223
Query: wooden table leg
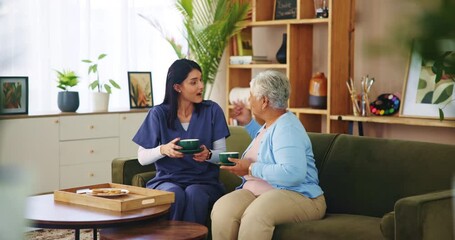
77, 234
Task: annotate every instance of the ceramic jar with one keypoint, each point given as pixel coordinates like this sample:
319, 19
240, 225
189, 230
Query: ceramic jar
318, 91
281, 54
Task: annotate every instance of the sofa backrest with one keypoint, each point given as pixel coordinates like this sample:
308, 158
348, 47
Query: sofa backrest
362, 175
321, 144
238, 141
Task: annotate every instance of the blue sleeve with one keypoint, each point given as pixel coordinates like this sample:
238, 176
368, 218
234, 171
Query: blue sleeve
220, 128
148, 135
252, 128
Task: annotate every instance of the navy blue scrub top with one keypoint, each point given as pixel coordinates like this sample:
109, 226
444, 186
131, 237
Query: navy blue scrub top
207, 123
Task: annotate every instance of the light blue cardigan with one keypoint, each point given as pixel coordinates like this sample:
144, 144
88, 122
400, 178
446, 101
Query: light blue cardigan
285, 158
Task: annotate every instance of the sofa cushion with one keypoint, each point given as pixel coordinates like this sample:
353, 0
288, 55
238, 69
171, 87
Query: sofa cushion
332, 227
366, 176
388, 226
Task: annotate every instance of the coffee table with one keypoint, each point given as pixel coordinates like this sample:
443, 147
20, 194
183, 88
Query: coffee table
44, 212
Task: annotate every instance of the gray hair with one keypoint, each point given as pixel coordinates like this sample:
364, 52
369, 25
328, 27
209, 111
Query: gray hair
274, 85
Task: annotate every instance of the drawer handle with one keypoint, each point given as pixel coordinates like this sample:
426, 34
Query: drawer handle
91, 174
124, 118
92, 127
56, 121
92, 151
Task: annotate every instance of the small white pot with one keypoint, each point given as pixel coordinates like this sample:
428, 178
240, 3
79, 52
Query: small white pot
100, 101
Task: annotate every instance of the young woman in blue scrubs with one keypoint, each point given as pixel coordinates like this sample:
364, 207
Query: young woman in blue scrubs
182, 115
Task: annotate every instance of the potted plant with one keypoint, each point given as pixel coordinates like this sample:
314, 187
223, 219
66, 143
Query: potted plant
100, 98
209, 25
68, 101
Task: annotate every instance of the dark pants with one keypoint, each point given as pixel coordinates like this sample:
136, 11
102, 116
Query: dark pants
193, 202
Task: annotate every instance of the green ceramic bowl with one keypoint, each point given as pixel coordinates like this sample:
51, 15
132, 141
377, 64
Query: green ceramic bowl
189, 144
225, 155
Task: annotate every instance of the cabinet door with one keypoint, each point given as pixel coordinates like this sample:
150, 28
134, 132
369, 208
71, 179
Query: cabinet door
85, 174
89, 126
129, 124
32, 144
88, 151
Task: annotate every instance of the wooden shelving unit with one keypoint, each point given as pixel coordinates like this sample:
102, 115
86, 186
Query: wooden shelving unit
396, 120
336, 56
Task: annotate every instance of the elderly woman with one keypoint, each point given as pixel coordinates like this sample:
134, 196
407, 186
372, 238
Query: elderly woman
278, 168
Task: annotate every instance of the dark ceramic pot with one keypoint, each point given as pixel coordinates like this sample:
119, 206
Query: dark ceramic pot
68, 101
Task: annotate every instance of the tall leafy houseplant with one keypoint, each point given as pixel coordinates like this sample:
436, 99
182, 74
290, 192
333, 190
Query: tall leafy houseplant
209, 24
100, 98
97, 84
68, 101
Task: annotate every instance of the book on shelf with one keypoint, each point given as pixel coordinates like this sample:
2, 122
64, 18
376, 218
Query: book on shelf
248, 59
244, 43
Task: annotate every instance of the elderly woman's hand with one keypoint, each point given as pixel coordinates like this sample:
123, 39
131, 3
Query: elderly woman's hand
241, 113
240, 168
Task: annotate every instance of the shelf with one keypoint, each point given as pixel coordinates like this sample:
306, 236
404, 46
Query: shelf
312, 45
308, 111
259, 66
289, 21
396, 120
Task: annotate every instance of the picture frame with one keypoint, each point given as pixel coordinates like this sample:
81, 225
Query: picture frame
285, 9
421, 94
13, 95
140, 89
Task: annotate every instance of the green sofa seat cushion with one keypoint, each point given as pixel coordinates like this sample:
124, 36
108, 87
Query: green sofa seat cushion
332, 227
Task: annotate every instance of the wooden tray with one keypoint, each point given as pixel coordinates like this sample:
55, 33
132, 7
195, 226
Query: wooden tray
137, 197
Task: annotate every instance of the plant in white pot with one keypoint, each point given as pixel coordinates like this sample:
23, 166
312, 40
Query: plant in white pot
100, 98
68, 101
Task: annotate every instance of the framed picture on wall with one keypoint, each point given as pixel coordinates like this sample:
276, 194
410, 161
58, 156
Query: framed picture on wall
423, 96
13, 95
140, 89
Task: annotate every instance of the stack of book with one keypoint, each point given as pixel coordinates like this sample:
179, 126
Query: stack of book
248, 59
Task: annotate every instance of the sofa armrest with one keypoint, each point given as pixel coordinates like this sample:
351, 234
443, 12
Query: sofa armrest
426, 216
141, 179
124, 169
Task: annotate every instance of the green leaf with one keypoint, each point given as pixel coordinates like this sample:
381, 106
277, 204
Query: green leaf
87, 61
108, 88
441, 114
114, 84
445, 94
101, 56
427, 98
94, 84
422, 84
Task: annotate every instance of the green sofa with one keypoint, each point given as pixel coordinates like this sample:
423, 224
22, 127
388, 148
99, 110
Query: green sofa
374, 188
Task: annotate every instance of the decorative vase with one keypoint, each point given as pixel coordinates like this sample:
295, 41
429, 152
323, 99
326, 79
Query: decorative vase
318, 91
281, 54
100, 101
68, 101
